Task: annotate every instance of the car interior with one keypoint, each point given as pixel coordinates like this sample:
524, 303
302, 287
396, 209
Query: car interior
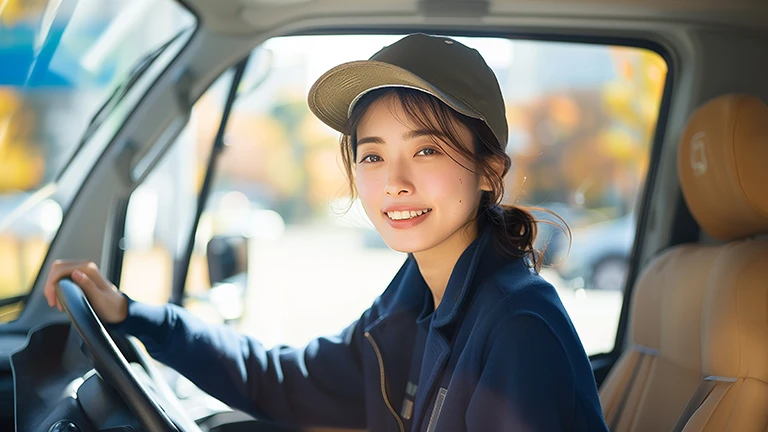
690, 351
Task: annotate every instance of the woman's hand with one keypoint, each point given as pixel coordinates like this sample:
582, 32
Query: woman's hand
108, 303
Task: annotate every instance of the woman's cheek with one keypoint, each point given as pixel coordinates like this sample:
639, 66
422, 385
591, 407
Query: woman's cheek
367, 185
440, 185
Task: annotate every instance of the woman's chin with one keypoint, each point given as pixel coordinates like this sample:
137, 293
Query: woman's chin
406, 244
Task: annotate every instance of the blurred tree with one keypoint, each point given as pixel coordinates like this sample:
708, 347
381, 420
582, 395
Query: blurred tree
560, 129
21, 163
13, 12
632, 102
589, 146
325, 173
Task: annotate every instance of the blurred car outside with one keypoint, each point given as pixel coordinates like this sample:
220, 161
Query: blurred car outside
599, 255
552, 236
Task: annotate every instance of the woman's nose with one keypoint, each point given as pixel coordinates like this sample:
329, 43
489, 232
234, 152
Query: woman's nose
398, 182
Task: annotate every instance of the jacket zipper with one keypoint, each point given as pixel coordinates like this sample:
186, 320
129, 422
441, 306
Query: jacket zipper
400, 425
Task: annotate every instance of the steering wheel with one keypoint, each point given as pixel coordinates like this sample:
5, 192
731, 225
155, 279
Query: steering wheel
109, 361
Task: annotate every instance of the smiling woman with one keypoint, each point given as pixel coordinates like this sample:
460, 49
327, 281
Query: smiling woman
419, 172
426, 126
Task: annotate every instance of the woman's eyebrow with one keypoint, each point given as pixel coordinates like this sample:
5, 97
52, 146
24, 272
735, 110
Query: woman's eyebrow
370, 140
418, 133
411, 134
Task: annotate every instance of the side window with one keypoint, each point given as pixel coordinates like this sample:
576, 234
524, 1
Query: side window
161, 210
581, 120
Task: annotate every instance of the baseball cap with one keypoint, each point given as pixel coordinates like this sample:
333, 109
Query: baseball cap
442, 67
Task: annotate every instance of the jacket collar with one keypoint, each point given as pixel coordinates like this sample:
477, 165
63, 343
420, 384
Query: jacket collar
407, 290
474, 265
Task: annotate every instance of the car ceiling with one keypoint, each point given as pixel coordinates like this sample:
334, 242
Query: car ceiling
245, 16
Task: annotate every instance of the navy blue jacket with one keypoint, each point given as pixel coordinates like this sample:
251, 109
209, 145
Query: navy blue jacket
501, 355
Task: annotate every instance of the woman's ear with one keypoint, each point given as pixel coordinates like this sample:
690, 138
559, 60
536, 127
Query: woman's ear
497, 168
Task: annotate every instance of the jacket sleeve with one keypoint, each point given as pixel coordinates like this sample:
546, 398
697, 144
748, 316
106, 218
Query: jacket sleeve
318, 385
526, 383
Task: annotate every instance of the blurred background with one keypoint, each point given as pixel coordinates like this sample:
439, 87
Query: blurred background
581, 117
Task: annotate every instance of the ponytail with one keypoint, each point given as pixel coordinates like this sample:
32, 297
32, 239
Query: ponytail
515, 229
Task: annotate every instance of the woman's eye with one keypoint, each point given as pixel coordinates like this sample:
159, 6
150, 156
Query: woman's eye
370, 159
427, 152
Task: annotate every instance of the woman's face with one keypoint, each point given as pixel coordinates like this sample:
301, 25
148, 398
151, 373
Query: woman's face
417, 196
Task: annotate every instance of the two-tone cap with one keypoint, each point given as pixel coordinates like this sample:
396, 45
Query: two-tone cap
442, 67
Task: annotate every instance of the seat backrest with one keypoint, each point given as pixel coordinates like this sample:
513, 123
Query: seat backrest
726, 194
657, 376
735, 342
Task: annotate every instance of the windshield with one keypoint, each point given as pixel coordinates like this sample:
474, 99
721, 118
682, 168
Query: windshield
61, 60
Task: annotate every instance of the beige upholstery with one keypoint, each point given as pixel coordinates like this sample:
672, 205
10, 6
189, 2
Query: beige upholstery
702, 311
731, 203
735, 341
666, 340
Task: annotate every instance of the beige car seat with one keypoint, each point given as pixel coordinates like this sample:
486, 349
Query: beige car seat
696, 308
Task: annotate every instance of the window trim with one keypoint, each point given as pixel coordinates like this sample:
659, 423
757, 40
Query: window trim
181, 264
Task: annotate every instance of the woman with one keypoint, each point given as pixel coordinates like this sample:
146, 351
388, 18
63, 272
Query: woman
467, 336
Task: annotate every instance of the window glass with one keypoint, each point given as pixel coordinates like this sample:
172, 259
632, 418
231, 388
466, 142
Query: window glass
60, 61
581, 121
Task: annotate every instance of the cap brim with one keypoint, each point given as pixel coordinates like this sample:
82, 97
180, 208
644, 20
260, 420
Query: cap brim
334, 94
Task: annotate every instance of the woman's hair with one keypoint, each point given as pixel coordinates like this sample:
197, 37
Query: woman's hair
515, 228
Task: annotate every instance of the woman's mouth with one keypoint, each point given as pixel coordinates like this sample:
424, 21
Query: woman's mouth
405, 219
406, 214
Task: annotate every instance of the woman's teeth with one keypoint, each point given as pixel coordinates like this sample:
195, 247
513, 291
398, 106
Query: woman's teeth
400, 215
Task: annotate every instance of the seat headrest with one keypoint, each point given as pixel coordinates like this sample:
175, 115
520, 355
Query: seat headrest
723, 166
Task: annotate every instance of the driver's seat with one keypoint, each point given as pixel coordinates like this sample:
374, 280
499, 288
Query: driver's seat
699, 318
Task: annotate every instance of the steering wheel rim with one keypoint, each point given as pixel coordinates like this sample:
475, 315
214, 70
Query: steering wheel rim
108, 359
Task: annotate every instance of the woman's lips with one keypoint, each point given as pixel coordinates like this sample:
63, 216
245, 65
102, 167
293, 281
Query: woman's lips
411, 222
